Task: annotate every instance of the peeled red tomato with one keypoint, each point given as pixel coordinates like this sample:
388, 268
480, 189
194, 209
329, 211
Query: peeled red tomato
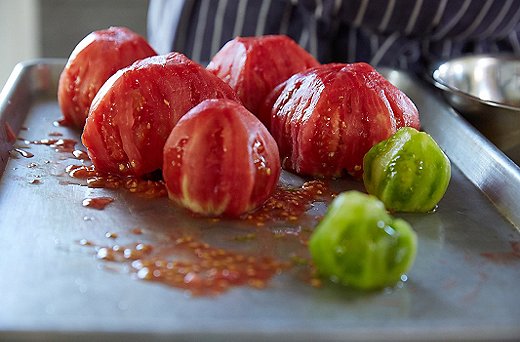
254, 66
134, 112
97, 57
220, 160
326, 118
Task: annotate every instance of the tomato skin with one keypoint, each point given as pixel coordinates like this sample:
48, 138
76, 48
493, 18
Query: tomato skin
254, 66
135, 110
325, 119
97, 57
220, 160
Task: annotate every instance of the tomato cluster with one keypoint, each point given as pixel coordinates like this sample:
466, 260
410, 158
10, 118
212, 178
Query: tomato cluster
219, 134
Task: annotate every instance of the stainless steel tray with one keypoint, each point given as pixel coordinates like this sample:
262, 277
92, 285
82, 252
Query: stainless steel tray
463, 286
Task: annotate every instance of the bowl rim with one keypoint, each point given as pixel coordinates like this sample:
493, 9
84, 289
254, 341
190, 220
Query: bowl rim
434, 68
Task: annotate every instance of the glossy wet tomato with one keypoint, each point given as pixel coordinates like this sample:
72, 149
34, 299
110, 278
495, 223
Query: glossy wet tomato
220, 160
134, 112
97, 57
254, 66
326, 118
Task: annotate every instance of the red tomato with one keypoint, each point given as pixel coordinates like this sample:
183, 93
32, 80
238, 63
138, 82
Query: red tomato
97, 57
254, 66
326, 118
134, 112
220, 160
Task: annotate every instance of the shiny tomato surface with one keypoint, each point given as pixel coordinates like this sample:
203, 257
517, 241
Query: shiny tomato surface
254, 66
97, 57
220, 160
134, 112
326, 118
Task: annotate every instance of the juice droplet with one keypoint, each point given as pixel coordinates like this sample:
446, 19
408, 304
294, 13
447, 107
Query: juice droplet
11, 136
80, 155
24, 153
98, 203
62, 122
85, 242
137, 231
105, 254
111, 235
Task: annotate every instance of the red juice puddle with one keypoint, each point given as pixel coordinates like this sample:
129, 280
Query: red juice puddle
188, 264
60, 145
289, 203
504, 257
144, 187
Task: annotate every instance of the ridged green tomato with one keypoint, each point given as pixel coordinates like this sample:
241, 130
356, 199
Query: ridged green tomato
360, 245
408, 171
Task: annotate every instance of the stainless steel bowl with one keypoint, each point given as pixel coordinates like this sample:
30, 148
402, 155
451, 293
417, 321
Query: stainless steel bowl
485, 89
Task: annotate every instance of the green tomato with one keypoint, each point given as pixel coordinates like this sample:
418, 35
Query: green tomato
360, 245
408, 172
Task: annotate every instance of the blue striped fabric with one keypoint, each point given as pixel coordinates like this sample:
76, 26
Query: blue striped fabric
404, 34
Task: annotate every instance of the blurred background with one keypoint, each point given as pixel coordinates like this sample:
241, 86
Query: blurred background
52, 28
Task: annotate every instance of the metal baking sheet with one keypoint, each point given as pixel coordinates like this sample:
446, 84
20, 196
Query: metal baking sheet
463, 285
